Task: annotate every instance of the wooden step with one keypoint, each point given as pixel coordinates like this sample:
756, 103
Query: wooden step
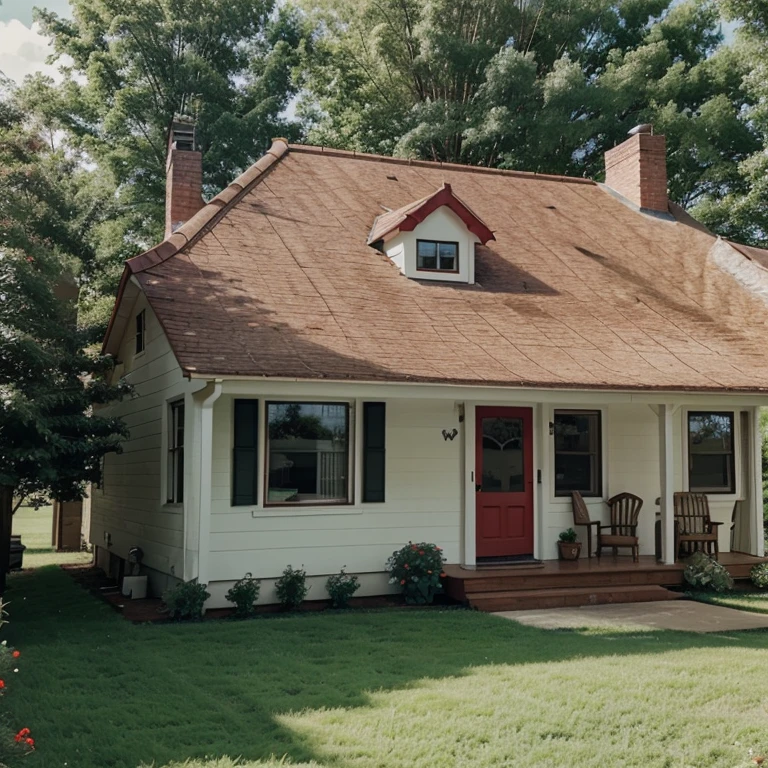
534, 599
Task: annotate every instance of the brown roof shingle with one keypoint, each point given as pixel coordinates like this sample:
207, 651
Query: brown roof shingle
274, 278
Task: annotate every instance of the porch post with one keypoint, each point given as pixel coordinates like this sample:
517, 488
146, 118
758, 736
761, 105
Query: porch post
756, 478
667, 474
469, 555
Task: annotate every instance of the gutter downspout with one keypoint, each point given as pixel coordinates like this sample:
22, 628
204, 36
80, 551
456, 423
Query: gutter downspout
212, 392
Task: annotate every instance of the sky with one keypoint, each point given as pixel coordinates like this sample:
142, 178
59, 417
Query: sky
23, 50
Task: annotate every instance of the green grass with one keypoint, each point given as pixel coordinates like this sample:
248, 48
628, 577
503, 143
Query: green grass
35, 525
754, 602
399, 689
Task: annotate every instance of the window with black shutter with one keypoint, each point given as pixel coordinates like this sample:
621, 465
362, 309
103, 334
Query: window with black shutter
244, 454
374, 465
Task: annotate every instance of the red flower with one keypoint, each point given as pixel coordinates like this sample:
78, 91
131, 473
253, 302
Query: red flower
421, 551
16, 654
24, 732
31, 742
406, 566
414, 547
2, 683
442, 575
402, 581
439, 549
17, 738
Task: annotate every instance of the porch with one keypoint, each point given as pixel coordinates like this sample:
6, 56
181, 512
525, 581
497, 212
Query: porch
587, 581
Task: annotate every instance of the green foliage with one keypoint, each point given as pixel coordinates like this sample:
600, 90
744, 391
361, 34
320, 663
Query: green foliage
569, 536
417, 568
341, 586
759, 575
185, 600
244, 594
705, 572
292, 587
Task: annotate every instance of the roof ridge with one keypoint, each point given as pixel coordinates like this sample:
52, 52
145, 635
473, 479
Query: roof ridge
211, 212
353, 154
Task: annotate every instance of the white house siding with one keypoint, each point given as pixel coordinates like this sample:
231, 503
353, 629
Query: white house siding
423, 503
129, 509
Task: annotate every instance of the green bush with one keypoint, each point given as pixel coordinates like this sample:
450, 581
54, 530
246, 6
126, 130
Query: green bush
705, 572
185, 601
244, 593
759, 575
341, 586
292, 587
570, 536
417, 568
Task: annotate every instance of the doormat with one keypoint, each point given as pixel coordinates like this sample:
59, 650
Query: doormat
513, 561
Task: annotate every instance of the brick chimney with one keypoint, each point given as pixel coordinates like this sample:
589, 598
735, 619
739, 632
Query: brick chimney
183, 177
637, 169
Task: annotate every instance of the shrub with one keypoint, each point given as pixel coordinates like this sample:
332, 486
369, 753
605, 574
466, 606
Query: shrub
705, 572
569, 536
759, 575
244, 593
185, 601
417, 568
292, 587
341, 586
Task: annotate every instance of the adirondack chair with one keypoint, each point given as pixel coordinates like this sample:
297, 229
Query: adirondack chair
620, 532
694, 525
581, 517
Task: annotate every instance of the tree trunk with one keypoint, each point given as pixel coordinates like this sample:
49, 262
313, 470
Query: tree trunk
6, 522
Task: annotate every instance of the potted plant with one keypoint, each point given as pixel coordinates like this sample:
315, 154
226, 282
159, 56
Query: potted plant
568, 546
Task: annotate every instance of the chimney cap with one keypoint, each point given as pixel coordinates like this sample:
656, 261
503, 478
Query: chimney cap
182, 133
642, 128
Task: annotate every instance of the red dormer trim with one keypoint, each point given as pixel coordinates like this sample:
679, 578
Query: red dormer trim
407, 218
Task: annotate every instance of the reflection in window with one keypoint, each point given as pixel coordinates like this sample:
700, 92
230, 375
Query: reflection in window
578, 463
710, 452
307, 453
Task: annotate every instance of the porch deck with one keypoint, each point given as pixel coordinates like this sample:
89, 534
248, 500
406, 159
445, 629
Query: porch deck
559, 583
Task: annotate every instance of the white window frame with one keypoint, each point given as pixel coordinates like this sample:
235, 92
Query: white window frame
737, 455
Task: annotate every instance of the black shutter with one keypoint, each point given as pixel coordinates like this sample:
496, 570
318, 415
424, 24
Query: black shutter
374, 465
244, 456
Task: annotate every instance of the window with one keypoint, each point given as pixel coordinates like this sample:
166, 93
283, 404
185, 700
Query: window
374, 456
141, 330
176, 453
307, 453
578, 462
710, 452
433, 256
244, 452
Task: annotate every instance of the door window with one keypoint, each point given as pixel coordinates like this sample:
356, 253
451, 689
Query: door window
503, 462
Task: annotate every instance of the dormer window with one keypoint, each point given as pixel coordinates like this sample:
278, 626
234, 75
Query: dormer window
434, 256
433, 238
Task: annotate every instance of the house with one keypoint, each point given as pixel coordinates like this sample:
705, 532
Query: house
340, 353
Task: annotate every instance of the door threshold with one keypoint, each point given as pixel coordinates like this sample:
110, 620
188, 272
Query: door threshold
512, 561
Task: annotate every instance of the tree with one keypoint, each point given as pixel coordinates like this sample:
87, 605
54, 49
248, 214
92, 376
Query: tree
545, 85
134, 66
50, 439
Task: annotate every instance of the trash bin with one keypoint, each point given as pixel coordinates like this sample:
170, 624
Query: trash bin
17, 554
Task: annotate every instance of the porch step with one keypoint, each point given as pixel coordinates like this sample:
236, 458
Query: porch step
568, 597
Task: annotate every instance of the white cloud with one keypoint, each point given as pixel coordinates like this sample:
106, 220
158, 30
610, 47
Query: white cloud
23, 51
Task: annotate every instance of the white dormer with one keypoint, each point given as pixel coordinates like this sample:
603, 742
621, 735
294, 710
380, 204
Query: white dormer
433, 238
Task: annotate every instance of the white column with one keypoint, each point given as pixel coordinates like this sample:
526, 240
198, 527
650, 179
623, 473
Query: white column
756, 491
206, 471
667, 476
469, 555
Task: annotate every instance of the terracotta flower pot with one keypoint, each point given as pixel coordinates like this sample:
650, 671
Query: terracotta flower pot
569, 550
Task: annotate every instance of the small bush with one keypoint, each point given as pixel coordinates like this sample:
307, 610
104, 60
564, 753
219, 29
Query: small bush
705, 572
341, 586
244, 593
292, 587
185, 601
417, 568
759, 575
570, 536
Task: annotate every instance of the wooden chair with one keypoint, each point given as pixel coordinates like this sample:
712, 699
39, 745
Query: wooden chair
622, 530
694, 525
581, 517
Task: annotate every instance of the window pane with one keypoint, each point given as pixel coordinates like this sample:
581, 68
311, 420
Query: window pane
448, 263
577, 452
503, 469
308, 452
710, 448
426, 254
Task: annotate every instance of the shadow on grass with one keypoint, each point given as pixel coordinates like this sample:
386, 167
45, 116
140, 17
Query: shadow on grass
98, 691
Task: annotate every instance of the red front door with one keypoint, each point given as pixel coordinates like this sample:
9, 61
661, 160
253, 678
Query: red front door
504, 481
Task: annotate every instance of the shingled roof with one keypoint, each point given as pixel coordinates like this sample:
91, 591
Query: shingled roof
273, 278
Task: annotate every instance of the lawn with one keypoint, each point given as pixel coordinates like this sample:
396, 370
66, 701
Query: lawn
755, 602
372, 689
34, 525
